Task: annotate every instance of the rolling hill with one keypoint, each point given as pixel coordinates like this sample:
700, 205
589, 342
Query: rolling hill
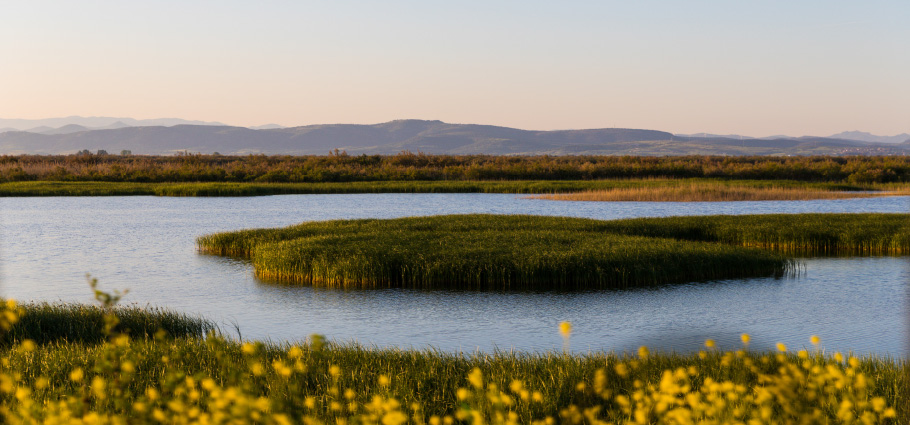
435, 137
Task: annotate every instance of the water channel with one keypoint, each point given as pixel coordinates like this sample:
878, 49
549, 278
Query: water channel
146, 245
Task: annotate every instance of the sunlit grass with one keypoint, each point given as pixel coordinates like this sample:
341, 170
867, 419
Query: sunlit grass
532, 252
46, 323
207, 189
408, 166
483, 252
215, 380
715, 192
805, 234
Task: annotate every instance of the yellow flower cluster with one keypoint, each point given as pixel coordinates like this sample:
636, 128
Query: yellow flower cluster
808, 390
9, 314
814, 390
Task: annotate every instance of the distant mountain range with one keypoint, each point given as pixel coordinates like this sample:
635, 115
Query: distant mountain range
859, 136
170, 136
91, 123
867, 137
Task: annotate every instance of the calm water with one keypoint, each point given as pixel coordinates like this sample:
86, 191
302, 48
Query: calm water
146, 245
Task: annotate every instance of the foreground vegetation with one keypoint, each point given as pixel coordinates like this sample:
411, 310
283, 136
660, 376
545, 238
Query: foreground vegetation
483, 252
407, 166
214, 380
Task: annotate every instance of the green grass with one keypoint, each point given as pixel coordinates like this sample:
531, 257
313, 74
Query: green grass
482, 252
46, 323
531, 252
806, 234
430, 378
171, 380
97, 188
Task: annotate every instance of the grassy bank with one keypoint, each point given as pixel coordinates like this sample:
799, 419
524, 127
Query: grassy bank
714, 192
46, 323
96, 188
531, 252
341, 382
482, 252
213, 380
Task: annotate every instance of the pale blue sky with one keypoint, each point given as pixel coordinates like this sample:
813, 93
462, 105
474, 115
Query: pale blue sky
755, 68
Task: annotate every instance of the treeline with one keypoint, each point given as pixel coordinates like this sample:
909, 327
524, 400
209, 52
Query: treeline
407, 166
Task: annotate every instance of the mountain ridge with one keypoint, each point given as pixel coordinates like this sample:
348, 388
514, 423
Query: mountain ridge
95, 122
428, 136
869, 137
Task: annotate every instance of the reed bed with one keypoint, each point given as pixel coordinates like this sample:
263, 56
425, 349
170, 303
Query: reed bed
713, 192
45, 323
531, 252
803, 234
53, 188
482, 252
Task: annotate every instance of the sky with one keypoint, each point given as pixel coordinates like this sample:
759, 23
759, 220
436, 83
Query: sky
756, 68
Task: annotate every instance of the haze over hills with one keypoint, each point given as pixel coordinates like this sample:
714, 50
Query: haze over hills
868, 137
859, 136
434, 137
92, 123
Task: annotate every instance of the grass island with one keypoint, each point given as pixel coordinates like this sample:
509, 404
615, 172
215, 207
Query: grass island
516, 252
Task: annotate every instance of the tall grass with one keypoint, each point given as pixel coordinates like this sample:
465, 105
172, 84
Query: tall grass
482, 252
806, 234
46, 323
305, 380
530, 252
215, 380
714, 192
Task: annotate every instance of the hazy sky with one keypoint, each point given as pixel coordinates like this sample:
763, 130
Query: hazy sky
726, 66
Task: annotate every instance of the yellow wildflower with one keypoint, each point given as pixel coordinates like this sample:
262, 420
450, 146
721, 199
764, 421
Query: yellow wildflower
76, 375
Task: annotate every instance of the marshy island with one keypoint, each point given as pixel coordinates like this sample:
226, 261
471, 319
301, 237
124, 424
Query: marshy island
531, 252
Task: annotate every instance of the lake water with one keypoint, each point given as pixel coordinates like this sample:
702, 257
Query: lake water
146, 245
